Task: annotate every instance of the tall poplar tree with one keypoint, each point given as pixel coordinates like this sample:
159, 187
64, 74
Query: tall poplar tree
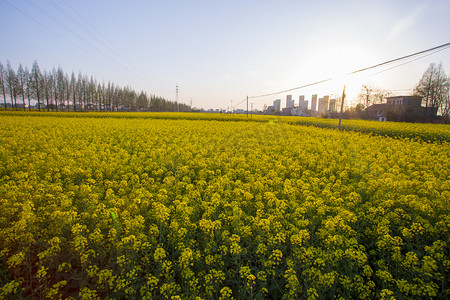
2, 82
11, 81
61, 79
22, 76
73, 88
36, 83
28, 87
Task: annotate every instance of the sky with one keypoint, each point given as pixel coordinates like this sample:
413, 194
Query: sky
220, 52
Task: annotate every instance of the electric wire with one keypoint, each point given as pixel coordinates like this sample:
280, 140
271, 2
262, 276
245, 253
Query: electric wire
56, 21
49, 28
400, 58
239, 103
118, 65
55, 32
410, 61
99, 36
292, 89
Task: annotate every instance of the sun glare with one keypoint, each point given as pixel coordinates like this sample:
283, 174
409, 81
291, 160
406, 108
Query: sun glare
337, 63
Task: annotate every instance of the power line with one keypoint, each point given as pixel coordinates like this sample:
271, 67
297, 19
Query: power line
48, 28
410, 61
100, 37
400, 58
296, 88
35, 6
63, 26
436, 49
240, 103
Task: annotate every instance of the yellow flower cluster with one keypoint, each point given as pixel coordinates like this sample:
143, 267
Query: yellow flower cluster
199, 206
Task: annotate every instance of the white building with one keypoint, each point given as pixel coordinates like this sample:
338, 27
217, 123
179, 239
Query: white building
289, 102
277, 105
302, 103
297, 111
323, 104
314, 103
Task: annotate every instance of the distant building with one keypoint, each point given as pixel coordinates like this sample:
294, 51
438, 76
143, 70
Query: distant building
412, 101
286, 111
302, 103
332, 106
289, 102
377, 111
124, 108
297, 111
314, 103
323, 104
277, 105
401, 108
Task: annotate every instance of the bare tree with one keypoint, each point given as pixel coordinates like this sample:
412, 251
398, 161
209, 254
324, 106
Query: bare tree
2, 82
55, 87
22, 76
67, 89
101, 96
80, 90
109, 93
73, 88
380, 95
29, 86
61, 83
92, 91
365, 96
36, 83
11, 83
48, 83
433, 88
372, 95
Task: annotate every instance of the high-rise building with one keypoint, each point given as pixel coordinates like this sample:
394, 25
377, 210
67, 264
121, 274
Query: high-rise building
332, 105
323, 104
277, 105
302, 103
314, 103
289, 102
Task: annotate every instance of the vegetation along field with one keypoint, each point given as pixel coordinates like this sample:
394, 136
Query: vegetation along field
180, 206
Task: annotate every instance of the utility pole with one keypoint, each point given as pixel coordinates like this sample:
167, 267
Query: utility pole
247, 106
232, 112
251, 111
342, 108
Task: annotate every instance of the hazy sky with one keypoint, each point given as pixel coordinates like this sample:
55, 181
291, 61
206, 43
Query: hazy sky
218, 51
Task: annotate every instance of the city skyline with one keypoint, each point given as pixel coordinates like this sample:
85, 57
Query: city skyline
304, 105
216, 52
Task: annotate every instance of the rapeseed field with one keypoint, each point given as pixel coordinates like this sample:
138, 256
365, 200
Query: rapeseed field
182, 207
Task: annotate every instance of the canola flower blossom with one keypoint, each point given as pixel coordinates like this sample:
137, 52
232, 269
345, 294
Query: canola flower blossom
188, 206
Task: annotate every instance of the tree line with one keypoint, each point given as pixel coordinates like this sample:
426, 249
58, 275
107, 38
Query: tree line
57, 90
